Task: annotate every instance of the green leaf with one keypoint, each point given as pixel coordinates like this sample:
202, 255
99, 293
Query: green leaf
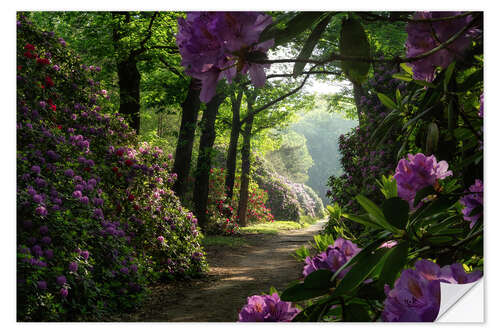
420, 115
356, 313
273, 290
403, 77
360, 272
426, 191
319, 279
296, 25
439, 239
407, 68
432, 140
396, 212
353, 42
447, 75
398, 96
374, 212
361, 220
439, 205
384, 99
452, 118
424, 83
394, 263
309, 45
299, 292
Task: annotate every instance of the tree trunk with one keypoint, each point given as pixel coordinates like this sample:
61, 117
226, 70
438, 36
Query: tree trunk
184, 150
358, 92
129, 80
200, 195
245, 170
233, 146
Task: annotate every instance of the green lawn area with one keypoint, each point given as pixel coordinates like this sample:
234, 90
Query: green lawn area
277, 226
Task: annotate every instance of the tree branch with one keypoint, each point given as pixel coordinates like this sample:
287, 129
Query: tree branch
374, 17
306, 72
265, 106
143, 42
172, 69
396, 60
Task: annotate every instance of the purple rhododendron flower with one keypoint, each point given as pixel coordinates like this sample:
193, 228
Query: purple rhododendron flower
425, 36
41, 210
69, 173
60, 280
472, 201
267, 308
37, 198
42, 285
214, 45
73, 266
416, 295
36, 169
63, 292
418, 172
333, 258
49, 254
85, 254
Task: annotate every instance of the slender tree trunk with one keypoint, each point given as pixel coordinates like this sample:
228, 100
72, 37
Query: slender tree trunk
129, 80
233, 145
184, 150
200, 195
245, 169
358, 92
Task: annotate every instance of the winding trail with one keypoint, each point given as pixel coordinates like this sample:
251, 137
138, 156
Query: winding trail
235, 274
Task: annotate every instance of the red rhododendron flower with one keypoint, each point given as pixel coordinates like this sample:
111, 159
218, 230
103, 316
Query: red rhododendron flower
30, 55
30, 47
49, 82
131, 197
129, 162
43, 61
53, 107
114, 169
19, 67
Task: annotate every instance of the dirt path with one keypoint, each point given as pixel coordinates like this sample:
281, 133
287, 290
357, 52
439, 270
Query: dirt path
235, 274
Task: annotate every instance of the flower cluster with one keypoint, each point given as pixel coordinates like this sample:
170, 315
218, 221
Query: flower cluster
418, 172
224, 217
473, 201
425, 36
286, 200
87, 220
416, 295
333, 258
214, 45
267, 308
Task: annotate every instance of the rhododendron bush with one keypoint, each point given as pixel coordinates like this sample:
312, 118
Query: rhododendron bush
286, 200
411, 199
96, 216
224, 214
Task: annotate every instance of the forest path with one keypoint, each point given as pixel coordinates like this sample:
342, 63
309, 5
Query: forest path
235, 273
